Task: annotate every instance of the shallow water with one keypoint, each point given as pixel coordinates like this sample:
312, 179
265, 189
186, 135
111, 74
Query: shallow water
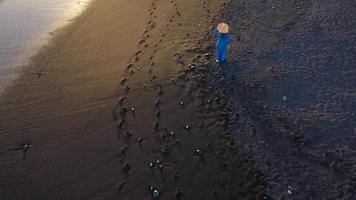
25, 26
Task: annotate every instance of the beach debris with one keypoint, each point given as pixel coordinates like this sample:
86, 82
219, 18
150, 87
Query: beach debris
160, 167
24, 148
199, 152
155, 194
191, 66
182, 104
153, 191
290, 189
171, 133
139, 139
187, 127
132, 109
284, 98
151, 164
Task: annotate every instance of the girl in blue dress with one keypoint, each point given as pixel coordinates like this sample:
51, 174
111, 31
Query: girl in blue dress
223, 40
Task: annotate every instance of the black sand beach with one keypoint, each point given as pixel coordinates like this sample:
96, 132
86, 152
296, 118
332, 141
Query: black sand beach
295, 94
133, 101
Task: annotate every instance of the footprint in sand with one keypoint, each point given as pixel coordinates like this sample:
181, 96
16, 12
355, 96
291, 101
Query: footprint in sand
156, 126
160, 91
129, 66
157, 103
121, 100
126, 88
121, 186
142, 41
123, 81
137, 58
138, 52
158, 114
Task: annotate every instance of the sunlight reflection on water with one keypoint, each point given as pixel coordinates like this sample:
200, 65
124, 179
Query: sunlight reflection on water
25, 26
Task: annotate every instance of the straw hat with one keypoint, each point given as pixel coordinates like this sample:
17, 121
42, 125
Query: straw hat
223, 28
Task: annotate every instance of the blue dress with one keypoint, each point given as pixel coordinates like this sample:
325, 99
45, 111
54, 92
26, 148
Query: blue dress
223, 40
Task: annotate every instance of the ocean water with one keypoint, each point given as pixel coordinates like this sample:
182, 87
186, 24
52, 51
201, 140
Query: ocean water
25, 26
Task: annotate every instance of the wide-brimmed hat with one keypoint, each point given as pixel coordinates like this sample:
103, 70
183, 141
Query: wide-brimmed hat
223, 28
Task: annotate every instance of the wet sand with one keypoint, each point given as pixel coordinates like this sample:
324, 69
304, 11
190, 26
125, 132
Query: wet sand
126, 84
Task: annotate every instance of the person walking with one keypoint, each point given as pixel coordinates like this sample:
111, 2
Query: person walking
223, 40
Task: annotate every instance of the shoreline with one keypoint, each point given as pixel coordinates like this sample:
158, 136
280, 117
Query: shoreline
38, 36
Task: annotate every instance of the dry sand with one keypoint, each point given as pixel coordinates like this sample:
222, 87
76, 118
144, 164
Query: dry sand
73, 105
